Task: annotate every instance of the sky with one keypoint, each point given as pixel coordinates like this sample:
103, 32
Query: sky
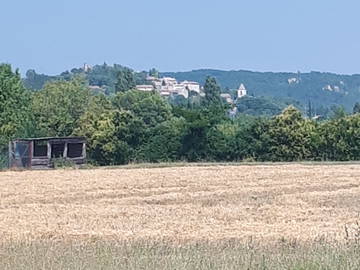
182, 35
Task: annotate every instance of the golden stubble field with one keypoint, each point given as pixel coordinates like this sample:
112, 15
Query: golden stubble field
295, 201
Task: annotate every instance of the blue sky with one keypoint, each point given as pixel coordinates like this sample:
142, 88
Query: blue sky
173, 35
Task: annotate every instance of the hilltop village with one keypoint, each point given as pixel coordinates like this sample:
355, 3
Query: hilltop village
167, 86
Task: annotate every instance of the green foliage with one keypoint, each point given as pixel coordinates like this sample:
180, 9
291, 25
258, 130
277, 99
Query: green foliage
290, 137
270, 84
163, 143
222, 143
3, 159
62, 163
178, 100
127, 128
36, 81
14, 105
356, 108
111, 135
143, 126
263, 106
311, 86
154, 73
340, 138
150, 107
125, 80
104, 75
198, 123
193, 145
58, 107
212, 92
337, 112
93, 253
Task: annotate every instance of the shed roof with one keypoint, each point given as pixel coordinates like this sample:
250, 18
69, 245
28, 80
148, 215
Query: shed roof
51, 138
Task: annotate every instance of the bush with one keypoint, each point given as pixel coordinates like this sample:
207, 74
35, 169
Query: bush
4, 159
62, 163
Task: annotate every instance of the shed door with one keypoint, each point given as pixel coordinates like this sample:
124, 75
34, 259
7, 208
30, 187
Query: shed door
22, 154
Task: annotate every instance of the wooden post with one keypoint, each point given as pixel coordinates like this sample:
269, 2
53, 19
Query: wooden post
48, 151
84, 151
10, 154
65, 150
31, 153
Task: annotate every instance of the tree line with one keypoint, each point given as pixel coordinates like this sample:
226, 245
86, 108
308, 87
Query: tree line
136, 126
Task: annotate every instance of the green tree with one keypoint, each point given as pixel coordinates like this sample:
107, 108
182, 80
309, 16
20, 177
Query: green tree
212, 92
163, 144
58, 107
222, 142
337, 112
14, 104
356, 108
36, 81
14, 109
154, 73
291, 137
310, 111
130, 128
112, 135
150, 107
340, 138
125, 80
259, 106
252, 138
194, 141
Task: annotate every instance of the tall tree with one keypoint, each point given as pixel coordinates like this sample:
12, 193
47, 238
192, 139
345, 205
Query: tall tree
14, 102
291, 137
125, 80
58, 107
163, 144
356, 108
112, 135
154, 73
310, 112
212, 92
14, 113
150, 107
337, 112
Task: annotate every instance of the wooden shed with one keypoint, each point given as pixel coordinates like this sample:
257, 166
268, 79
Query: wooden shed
40, 153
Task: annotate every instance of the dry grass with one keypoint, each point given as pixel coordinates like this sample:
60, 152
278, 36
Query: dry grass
182, 204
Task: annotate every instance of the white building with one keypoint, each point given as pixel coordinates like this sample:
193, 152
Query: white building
165, 93
293, 81
166, 88
145, 87
170, 86
151, 78
180, 89
241, 92
87, 67
191, 86
169, 81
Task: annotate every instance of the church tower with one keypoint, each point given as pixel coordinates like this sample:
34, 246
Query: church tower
241, 92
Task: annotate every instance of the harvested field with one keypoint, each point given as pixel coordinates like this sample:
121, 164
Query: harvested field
183, 204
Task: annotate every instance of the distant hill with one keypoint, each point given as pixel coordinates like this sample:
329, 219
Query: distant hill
321, 89
104, 76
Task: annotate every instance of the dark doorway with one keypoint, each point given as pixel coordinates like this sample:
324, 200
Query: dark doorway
57, 150
40, 148
74, 150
